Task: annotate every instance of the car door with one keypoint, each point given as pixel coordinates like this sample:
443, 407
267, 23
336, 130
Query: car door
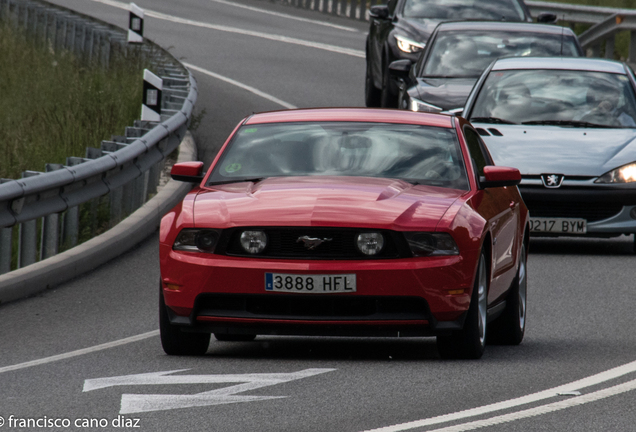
501, 211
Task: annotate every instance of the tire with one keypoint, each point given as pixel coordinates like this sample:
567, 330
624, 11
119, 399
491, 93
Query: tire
388, 99
176, 342
229, 337
372, 95
510, 327
470, 342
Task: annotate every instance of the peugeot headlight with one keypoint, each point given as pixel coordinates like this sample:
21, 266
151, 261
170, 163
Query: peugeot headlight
419, 106
431, 244
408, 45
370, 243
624, 174
253, 242
196, 240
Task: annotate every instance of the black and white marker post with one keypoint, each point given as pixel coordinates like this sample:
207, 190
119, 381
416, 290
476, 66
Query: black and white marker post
151, 107
136, 24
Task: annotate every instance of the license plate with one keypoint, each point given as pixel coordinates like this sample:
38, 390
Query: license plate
558, 225
323, 283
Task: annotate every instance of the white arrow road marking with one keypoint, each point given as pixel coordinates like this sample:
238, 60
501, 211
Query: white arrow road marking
235, 30
136, 403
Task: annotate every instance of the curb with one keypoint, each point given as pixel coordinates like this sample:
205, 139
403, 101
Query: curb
125, 235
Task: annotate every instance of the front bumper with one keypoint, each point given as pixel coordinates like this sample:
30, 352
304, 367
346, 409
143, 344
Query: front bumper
609, 212
222, 294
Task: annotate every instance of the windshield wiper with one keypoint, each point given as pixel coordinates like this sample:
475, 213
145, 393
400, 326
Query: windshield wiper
573, 123
494, 120
238, 180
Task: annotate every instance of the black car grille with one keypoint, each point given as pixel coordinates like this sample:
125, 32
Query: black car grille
311, 307
585, 210
284, 242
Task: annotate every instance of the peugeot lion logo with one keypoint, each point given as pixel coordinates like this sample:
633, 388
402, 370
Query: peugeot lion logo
552, 180
312, 243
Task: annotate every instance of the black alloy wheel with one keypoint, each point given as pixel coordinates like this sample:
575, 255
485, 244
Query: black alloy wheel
176, 342
470, 342
510, 327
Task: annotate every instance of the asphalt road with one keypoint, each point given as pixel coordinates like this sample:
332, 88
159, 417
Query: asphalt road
58, 347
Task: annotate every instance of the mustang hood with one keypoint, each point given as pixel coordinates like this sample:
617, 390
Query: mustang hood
446, 93
324, 201
560, 150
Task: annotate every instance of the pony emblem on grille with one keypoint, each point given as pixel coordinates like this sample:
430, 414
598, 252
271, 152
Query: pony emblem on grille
312, 243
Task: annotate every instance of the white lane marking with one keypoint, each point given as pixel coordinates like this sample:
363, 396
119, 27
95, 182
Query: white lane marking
241, 85
277, 38
282, 15
136, 403
543, 409
535, 397
80, 352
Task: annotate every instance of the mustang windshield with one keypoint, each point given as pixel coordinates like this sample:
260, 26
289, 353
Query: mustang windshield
496, 10
468, 53
417, 154
557, 97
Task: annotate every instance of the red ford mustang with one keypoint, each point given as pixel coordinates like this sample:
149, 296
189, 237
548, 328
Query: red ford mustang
346, 222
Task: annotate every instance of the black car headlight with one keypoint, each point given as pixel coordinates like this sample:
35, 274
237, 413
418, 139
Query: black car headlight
420, 106
431, 244
253, 241
196, 240
624, 174
370, 243
408, 45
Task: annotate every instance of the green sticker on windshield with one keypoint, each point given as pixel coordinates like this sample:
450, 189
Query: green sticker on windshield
233, 168
252, 130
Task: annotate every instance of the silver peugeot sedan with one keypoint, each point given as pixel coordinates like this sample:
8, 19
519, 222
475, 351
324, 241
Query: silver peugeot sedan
569, 125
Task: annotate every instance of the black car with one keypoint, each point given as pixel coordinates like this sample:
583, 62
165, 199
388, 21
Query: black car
458, 53
400, 29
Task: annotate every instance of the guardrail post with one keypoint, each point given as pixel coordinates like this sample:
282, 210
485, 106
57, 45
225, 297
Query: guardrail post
609, 46
28, 241
50, 242
632, 47
6, 246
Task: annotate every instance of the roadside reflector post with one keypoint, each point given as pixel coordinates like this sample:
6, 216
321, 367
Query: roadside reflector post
151, 106
135, 24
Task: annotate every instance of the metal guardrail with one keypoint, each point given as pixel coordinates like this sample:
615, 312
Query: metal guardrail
122, 173
606, 24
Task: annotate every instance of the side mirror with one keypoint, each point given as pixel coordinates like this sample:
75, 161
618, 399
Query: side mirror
498, 176
400, 69
379, 12
191, 172
547, 18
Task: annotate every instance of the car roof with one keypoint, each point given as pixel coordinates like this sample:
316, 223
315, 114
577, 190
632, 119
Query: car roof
560, 63
505, 26
372, 115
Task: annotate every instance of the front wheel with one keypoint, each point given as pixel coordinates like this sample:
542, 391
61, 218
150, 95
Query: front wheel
176, 342
470, 342
510, 327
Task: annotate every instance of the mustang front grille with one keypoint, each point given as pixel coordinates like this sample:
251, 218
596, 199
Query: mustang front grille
339, 243
309, 307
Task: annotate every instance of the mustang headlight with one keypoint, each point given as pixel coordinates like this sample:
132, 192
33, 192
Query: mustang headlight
408, 45
370, 243
624, 174
196, 240
253, 242
419, 106
431, 244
